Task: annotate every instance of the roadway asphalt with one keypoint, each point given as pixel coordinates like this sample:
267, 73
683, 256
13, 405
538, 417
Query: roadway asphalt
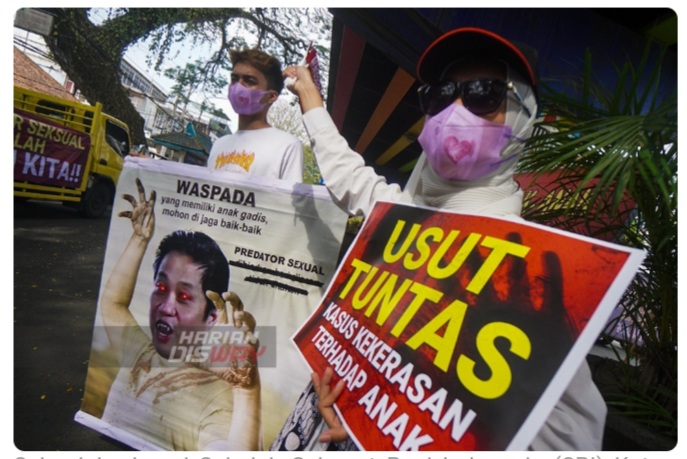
58, 258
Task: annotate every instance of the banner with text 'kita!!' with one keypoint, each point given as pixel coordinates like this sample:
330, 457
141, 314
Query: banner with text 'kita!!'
167, 371
459, 332
48, 153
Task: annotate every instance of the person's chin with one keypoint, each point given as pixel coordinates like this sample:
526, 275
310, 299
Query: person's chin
164, 348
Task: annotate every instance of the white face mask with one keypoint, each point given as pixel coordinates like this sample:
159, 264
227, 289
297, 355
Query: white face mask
460, 145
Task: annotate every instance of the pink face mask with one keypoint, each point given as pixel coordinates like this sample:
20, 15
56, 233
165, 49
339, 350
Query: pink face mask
460, 145
245, 101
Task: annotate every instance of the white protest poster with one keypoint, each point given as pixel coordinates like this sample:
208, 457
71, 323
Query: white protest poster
281, 242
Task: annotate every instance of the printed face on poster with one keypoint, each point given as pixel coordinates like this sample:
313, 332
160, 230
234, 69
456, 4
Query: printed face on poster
459, 332
274, 245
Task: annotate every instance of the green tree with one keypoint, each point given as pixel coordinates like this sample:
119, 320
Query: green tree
311, 171
89, 47
609, 144
191, 79
286, 115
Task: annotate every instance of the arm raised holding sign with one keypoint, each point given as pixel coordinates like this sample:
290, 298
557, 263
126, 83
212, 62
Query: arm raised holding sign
479, 93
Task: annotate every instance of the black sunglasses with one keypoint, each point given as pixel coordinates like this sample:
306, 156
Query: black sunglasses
480, 96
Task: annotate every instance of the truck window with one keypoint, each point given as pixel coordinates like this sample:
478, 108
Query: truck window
117, 137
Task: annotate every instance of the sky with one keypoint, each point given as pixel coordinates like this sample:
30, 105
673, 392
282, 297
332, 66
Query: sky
136, 55
179, 56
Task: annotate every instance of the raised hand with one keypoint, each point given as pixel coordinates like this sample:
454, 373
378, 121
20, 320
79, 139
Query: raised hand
242, 369
300, 82
142, 215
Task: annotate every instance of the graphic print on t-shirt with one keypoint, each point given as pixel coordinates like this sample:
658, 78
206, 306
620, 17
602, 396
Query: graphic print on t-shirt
227, 161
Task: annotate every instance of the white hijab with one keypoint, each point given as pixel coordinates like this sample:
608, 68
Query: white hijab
495, 194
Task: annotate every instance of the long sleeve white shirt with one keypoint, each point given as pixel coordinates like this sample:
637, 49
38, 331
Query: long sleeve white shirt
578, 419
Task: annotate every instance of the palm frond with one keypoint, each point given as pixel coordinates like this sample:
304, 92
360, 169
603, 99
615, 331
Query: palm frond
610, 147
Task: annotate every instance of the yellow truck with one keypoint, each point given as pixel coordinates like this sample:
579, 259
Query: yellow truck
67, 151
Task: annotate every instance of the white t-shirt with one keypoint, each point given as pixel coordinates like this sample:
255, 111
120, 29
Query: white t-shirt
269, 152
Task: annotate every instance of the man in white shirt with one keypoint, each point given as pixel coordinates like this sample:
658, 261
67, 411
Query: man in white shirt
257, 148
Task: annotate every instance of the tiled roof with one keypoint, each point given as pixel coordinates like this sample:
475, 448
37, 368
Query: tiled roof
29, 75
188, 140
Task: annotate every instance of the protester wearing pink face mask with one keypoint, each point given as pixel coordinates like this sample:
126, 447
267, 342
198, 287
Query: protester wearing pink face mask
479, 94
257, 148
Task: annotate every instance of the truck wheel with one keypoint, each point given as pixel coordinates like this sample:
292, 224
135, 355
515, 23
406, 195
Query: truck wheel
96, 200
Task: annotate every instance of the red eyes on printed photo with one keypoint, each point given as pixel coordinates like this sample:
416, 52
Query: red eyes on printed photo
161, 287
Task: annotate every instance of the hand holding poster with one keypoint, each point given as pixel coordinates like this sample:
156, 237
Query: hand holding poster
459, 332
206, 277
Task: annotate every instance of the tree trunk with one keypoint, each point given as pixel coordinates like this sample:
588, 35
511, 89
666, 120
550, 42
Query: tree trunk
93, 66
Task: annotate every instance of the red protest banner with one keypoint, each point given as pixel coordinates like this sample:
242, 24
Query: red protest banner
48, 153
456, 332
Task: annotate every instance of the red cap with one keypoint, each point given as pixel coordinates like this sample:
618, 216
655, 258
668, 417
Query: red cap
475, 42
